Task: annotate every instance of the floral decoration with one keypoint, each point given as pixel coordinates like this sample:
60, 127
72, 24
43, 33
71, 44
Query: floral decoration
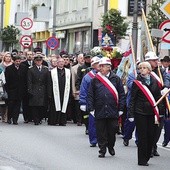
112, 52
96, 51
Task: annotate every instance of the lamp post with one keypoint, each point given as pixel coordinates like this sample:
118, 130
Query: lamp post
135, 27
2, 20
105, 6
54, 21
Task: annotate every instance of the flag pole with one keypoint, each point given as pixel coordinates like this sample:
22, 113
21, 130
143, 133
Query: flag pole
162, 97
133, 55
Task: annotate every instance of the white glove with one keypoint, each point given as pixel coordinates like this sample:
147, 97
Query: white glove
92, 113
120, 113
156, 120
131, 119
164, 91
83, 108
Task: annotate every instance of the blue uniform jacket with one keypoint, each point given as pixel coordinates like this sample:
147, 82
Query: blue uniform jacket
84, 88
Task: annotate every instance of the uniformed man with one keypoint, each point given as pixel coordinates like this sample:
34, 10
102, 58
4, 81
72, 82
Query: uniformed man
37, 89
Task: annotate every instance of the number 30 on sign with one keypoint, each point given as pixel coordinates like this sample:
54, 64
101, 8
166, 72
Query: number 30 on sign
26, 23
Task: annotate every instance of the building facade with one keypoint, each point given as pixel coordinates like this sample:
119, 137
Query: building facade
76, 23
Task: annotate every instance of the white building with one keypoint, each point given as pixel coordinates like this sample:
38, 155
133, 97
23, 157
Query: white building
76, 22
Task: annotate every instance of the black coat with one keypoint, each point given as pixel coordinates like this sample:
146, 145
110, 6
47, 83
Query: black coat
139, 104
81, 72
16, 82
102, 101
37, 86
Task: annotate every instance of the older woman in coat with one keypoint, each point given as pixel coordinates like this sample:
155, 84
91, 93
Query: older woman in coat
145, 91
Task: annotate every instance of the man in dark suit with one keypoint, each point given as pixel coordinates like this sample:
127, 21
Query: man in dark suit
28, 63
30, 58
16, 87
37, 89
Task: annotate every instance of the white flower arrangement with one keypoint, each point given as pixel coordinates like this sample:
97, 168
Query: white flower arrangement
96, 51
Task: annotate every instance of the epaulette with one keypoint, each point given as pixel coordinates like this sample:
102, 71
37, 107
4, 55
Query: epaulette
45, 66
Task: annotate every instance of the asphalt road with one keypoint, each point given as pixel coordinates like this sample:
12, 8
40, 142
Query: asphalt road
43, 147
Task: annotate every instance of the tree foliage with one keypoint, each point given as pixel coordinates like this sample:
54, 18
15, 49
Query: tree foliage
114, 23
9, 36
154, 18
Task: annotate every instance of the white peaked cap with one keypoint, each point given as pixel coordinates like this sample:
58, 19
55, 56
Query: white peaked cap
150, 55
95, 60
105, 60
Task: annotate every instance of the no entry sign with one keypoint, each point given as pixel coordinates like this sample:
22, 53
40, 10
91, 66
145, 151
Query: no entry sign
165, 26
26, 41
52, 43
26, 23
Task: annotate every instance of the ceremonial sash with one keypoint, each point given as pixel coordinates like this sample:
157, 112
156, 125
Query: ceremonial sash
153, 74
56, 91
149, 96
91, 74
108, 85
159, 84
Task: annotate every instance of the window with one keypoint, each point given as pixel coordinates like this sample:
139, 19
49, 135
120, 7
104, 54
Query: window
26, 4
100, 2
62, 6
18, 8
85, 3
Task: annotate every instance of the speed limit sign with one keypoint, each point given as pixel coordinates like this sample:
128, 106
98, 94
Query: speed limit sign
26, 23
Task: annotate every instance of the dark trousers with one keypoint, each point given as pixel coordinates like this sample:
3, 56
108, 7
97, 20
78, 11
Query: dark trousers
145, 129
157, 133
26, 110
92, 130
128, 129
78, 111
61, 118
13, 109
167, 130
38, 113
106, 130
85, 119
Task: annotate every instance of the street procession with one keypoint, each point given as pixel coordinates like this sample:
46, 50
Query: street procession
84, 84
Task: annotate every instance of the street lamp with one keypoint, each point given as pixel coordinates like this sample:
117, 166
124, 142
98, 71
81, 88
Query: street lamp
54, 21
105, 6
135, 27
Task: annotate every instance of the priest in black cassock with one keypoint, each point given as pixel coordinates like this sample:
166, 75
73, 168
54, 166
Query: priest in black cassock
59, 91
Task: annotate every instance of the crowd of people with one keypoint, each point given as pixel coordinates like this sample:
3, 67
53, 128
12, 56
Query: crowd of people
86, 90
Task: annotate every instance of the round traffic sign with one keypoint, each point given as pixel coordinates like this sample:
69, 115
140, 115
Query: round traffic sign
26, 41
26, 23
165, 26
52, 43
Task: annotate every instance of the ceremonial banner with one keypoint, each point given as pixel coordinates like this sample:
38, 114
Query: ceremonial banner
126, 66
145, 42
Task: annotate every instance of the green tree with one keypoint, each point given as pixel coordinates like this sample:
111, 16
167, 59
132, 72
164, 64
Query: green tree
154, 18
9, 36
114, 23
